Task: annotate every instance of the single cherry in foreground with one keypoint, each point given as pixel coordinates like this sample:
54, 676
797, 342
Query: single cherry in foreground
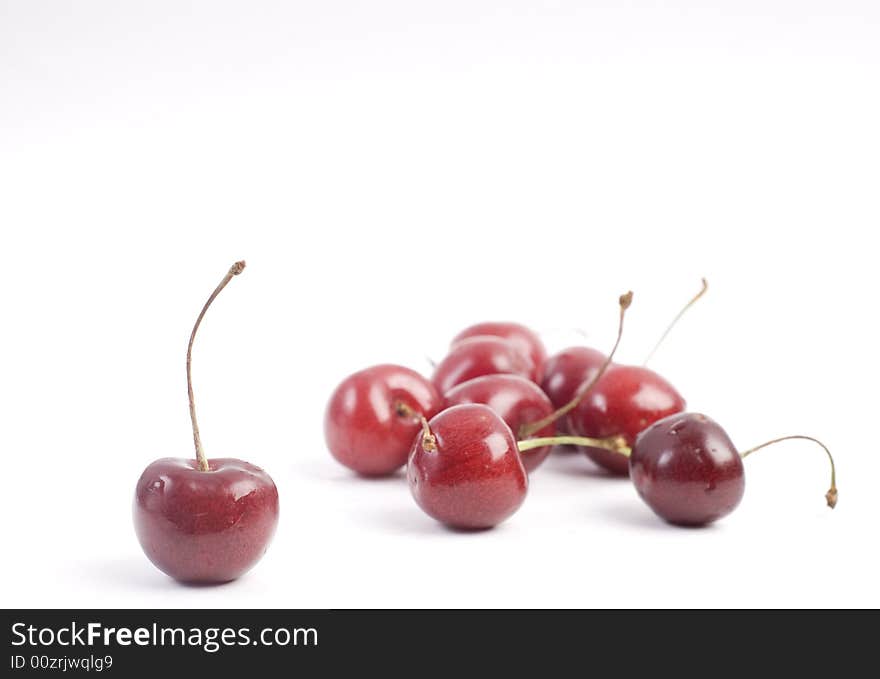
465, 470
518, 402
686, 468
624, 402
204, 521
524, 339
374, 415
478, 356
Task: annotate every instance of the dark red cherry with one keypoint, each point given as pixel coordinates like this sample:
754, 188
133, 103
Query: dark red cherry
523, 338
204, 520
465, 469
687, 470
516, 400
205, 526
373, 416
624, 402
478, 356
565, 373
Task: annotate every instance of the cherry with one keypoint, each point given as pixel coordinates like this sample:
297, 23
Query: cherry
524, 339
478, 356
624, 401
686, 468
204, 521
565, 372
465, 469
516, 400
373, 416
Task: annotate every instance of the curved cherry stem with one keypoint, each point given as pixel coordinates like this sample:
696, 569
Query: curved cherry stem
677, 319
615, 444
234, 270
527, 430
831, 495
429, 441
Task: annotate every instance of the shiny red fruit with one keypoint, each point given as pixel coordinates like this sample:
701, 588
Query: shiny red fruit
624, 402
373, 416
523, 338
516, 400
478, 356
686, 468
565, 373
472, 476
205, 526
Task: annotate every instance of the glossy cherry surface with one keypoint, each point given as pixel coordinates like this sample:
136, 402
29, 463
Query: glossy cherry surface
373, 416
478, 356
687, 470
565, 372
469, 475
523, 338
624, 402
205, 526
516, 400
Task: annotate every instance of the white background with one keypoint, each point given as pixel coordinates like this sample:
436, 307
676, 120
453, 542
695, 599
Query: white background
392, 172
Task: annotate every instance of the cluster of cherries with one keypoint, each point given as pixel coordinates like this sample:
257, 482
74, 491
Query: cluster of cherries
497, 404
469, 436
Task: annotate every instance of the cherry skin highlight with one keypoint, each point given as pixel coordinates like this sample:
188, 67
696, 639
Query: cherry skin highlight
624, 402
373, 416
687, 470
478, 356
524, 339
565, 372
516, 400
465, 470
205, 526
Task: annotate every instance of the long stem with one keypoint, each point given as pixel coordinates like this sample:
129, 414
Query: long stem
677, 319
234, 270
614, 443
529, 429
831, 495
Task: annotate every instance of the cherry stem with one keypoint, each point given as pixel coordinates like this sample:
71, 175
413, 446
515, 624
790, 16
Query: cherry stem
429, 441
403, 410
831, 495
527, 430
234, 270
677, 319
615, 444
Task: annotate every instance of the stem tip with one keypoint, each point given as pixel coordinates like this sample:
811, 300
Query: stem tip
831, 497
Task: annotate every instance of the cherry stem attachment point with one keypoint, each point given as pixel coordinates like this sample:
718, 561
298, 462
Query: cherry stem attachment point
831, 495
429, 441
234, 270
615, 444
528, 430
677, 319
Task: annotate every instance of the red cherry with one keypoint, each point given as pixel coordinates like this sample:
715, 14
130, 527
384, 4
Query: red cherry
205, 526
373, 416
624, 402
516, 400
202, 520
686, 468
465, 469
688, 471
524, 339
566, 372
478, 356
